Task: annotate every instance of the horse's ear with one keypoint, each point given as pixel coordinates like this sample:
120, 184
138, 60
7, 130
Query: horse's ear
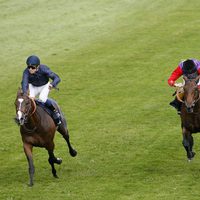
185, 78
20, 92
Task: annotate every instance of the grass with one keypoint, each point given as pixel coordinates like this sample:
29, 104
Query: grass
114, 58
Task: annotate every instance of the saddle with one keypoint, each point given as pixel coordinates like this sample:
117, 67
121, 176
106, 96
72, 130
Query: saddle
48, 110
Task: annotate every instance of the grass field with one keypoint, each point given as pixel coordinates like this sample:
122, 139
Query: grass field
114, 58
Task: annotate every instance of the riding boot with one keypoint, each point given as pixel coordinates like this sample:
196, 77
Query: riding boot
177, 105
56, 114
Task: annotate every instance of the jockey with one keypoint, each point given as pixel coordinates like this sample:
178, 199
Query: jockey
36, 80
189, 68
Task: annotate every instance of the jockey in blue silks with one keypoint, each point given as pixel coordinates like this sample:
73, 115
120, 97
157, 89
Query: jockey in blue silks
36, 80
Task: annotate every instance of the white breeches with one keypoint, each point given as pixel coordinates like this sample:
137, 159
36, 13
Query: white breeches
41, 91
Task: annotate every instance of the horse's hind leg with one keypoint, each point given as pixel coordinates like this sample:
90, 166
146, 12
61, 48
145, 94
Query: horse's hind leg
188, 144
28, 151
65, 133
52, 159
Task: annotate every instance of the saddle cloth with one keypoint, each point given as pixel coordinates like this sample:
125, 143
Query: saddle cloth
46, 109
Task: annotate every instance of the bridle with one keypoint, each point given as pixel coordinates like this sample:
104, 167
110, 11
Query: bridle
24, 111
182, 90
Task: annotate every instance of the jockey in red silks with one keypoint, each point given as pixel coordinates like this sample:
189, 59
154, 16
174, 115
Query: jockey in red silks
35, 80
189, 68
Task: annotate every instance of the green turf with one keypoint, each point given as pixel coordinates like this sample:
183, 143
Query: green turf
114, 58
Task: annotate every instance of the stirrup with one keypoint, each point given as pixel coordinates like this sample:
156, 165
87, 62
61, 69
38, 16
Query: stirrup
58, 122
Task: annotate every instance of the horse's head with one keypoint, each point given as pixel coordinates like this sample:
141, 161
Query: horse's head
191, 93
23, 106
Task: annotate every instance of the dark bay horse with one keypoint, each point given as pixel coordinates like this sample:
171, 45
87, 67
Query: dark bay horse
37, 130
190, 114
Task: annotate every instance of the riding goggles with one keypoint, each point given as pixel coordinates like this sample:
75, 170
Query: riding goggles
32, 67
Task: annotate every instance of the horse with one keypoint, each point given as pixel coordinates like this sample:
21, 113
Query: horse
190, 114
38, 129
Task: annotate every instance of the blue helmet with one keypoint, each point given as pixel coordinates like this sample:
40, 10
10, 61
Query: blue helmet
32, 60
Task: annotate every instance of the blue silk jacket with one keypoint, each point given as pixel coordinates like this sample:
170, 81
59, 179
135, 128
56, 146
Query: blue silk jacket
39, 78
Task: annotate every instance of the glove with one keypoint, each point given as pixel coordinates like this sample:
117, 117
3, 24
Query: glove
171, 83
178, 84
50, 86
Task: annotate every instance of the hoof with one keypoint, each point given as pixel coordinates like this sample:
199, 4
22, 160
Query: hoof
55, 176
191, 156
73, 153
30, 185
58, 161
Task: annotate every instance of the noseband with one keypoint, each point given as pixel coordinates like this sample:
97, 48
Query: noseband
26, 112
193, 96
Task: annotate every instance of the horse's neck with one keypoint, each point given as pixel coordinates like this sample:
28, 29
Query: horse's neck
39, 114
35, 117
198, 105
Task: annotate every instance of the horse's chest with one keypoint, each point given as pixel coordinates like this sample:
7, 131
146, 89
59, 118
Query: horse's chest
192, 123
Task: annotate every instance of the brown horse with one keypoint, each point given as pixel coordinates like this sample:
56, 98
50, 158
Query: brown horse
37, 130
190, 114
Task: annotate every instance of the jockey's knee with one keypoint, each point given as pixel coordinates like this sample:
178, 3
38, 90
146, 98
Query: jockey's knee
43, 99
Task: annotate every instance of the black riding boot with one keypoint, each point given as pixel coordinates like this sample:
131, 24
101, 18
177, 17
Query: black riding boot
56, 114
176, 104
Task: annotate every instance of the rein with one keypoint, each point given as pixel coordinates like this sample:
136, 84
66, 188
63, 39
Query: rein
34, 109
198, 98
34, 104
180, 96
179, 91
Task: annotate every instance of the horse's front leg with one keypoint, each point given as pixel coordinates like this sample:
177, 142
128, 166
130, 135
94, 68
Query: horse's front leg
188, 143
28, 151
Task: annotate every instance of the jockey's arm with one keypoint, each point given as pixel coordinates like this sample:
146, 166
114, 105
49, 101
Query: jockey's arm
24, 82
53, 76
174, 76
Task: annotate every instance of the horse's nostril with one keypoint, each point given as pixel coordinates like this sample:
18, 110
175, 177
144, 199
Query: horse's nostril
189, 109
16, 120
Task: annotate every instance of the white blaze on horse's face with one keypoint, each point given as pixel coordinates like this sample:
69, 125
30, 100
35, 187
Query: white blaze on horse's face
19, 112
